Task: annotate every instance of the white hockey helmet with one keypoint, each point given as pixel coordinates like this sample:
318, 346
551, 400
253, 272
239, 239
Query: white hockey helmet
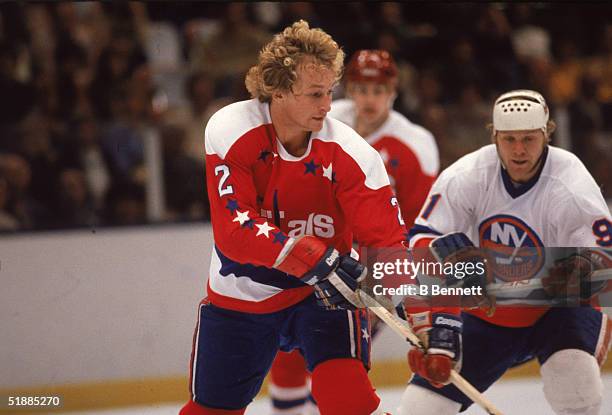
521, 109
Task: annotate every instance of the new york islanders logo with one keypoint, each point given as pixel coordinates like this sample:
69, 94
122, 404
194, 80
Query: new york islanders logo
515, 251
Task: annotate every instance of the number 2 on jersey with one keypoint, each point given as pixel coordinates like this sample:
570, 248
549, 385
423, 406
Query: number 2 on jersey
225, 172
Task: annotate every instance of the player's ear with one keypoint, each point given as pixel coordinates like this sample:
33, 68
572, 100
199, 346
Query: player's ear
492, 132
551, 126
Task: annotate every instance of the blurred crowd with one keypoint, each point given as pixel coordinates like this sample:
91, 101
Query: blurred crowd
88, 86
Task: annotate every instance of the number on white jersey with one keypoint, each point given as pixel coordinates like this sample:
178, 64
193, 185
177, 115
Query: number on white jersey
433, 200
602, 228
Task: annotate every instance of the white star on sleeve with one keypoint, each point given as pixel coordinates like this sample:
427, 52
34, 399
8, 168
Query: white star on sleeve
241, 217
264, 229
327, 172
365, 335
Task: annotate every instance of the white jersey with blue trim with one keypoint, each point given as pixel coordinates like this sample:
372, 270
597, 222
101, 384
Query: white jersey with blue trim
561, 206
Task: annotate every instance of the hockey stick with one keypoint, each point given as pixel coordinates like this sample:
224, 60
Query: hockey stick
534, 284
402, 328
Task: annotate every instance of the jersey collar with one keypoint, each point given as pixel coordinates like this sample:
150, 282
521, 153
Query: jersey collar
516, 191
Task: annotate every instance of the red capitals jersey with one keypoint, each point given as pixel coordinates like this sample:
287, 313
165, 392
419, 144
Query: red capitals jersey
409, 152
262, 198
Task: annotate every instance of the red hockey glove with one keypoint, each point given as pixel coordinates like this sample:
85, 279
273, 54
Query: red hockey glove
335, 278
441, 337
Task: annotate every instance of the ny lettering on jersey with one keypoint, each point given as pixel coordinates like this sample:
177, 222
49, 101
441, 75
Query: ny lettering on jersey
516, 250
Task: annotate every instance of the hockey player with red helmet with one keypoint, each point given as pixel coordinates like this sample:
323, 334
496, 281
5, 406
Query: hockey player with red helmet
409, 151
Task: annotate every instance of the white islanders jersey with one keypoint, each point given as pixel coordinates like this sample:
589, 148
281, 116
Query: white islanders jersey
561, 206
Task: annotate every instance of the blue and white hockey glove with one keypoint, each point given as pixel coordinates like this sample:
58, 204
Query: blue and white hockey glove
457, 248
335, 278
338, 290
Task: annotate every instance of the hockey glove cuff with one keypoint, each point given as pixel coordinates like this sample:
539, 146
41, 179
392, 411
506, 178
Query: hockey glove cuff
441, 337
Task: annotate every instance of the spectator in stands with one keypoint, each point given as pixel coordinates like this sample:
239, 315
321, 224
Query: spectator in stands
118, 63
99, 63
194, 116
431, 114
19, 96
20, 204
83, 152
467, 70
230, 52
530, 41
295, 10
407, 101
495, 49
600, 67
73, 79
7, 221
566, 73
126, 205
122, 141
74, 207
589, 142
465, 118
40, 150
184, 177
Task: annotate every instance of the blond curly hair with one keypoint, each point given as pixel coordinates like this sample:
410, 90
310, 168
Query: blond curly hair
279, 59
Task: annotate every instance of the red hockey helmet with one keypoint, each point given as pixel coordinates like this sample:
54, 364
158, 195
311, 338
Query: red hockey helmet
371, 65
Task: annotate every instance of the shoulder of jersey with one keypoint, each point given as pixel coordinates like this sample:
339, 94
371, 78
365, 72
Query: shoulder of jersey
565, 165
478, 167
570, 173
417, 138
231, 122
352, 144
